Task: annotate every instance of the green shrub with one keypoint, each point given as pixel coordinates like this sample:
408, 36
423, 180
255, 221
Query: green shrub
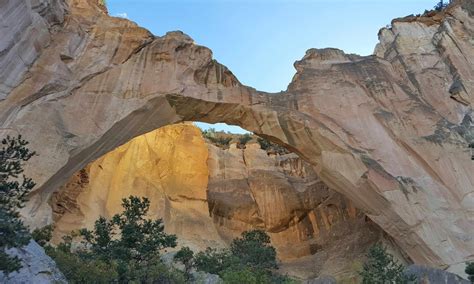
79, 270
271, 147
244, 275
213, 261
470, 271
13, 190
264, 143
244, 139
381, 267
250, 259
43, 235
138, 238
216, 138
186, 256
221, 141
125, 249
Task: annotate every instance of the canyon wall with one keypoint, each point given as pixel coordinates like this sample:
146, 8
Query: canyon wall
207, 196
389, 131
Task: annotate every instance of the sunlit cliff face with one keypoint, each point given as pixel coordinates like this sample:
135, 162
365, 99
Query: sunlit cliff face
207, 195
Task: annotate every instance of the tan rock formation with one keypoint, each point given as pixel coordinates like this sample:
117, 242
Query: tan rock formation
389, 131
167, 166
247, 189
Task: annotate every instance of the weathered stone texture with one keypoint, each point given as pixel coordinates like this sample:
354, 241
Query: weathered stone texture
389, 131
37, 268
207, 196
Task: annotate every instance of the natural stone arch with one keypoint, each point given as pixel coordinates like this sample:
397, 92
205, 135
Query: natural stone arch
365, 123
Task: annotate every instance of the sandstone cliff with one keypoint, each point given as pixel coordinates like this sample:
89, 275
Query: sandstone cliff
207, 196
389, 131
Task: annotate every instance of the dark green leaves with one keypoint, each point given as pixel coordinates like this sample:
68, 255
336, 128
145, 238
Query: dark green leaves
13, 190
470, 271
130, 243
382, 268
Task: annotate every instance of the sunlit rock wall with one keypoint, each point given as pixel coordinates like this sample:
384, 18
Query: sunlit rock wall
208, 195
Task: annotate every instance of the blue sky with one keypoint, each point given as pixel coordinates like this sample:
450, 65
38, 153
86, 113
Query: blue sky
259, 40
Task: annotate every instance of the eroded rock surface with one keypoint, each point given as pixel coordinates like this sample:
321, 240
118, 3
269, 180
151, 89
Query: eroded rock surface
37, 267
168, 166
207, 196
389, 131
427, 275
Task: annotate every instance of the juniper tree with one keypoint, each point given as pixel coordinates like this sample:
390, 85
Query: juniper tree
470, 271
14, 187
186, 256
129, 244
382, 268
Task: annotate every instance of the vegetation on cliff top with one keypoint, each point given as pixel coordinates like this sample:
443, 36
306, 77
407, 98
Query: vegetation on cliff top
223, 140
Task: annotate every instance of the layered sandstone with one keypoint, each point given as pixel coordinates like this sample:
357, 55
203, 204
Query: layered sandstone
207, 196
389, 131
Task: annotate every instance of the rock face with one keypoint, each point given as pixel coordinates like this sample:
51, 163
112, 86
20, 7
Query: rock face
207, 196
168, 166
389, 131
37, 267
427, 275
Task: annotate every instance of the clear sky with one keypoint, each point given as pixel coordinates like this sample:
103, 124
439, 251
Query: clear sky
259, 40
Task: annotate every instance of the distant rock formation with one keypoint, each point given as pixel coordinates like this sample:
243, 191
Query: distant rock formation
389, 131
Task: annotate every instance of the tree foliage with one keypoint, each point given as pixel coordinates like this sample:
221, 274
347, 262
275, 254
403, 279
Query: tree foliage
244, 139
186, 256
14, 187
250, 259
271, 147
254, 250
382, 268
43, 235
470, 271
127, 248
213, 261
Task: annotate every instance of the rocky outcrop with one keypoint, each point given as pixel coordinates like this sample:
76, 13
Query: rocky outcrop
168, 166
427, 275
37, 267
389, 131
207, 196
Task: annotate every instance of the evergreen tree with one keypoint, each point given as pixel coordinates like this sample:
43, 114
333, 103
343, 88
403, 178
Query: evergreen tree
186, 256
254, 250
125, 248
470, 271
14, 187
382, 268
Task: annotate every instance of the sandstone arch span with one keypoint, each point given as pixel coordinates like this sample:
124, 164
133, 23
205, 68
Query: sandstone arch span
389, 131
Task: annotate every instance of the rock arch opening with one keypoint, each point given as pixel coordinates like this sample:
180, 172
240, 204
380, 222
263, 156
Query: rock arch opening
208, 192
382, 129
